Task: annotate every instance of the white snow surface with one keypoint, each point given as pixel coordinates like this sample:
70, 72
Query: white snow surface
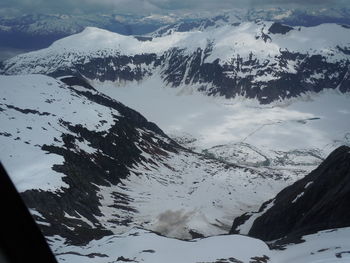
190, 193
142, 246
329, 246
23, 134
137, 245
313, 121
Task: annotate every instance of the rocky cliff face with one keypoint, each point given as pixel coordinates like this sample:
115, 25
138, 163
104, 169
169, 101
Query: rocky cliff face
317, 202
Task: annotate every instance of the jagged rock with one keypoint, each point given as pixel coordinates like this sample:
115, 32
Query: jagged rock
278, 28
317, 202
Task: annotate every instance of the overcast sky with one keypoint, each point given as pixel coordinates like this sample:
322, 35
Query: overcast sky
157, 6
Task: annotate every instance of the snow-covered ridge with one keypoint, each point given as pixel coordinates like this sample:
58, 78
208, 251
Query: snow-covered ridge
260, 60
169, 192
31, 110
227, 41
292, 17
34, 31
93, 39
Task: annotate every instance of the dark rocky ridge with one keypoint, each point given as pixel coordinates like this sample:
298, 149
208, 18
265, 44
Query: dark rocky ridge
278, 28
319, 201
118, 149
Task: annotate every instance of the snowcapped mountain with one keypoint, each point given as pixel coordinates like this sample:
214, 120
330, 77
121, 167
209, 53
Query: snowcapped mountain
35, 31
233, 18
24, 32
67, 24
88, 166
291, 17
262, 60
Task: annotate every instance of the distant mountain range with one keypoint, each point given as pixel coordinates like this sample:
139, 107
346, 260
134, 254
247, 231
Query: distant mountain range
39, 31
291, 17
35, 31
264, 60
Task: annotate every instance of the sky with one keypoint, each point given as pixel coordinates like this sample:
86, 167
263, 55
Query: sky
155, 6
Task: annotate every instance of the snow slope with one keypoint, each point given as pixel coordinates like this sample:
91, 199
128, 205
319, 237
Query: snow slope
191, 193
32, 108
325, 246
136, 175
137, 245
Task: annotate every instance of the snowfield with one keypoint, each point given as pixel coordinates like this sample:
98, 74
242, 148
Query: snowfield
302, 123
191, 193
32, 108
329, 246
137, 245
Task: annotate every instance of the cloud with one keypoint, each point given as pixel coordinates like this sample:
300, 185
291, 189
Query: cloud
77, 6
157, 6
